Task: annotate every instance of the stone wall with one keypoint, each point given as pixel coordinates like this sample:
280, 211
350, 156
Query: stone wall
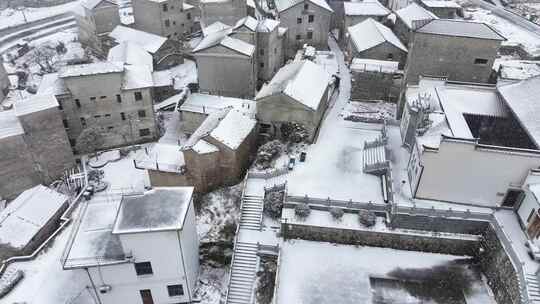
498, 269
368, 85
16, 167
439, 224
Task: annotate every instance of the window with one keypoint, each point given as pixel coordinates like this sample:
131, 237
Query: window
142, 113
175, 290
298, 20
261, 52
65, 122
83, 122
306, 6
146, 296
310, 35
481, 61
110, 128
168, 36
174, 23
60, 106
143, 268
145, 132
118, 98
138, 96
298, 37
102, 97
275, 50
108, 115
188, 16
72, 142
167, 23
390, 56
77, 103
165, 7
123, 115
261, 64
93, 98
97, 116
311, 18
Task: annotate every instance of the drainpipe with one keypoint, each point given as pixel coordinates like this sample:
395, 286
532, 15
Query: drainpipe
93, 285
190, 300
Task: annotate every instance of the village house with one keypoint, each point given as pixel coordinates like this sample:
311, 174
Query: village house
217, 152
113, 97
375, 80
357, 12
35, 146
446, 9
528, 204
226, 65
105, 14
410, 18
306, 21
165, 52
372, 40
270, 48
87, 33
299, 93
483, 127
4, 81
167, 18
227, 12
131, 53
115, 243
30, 219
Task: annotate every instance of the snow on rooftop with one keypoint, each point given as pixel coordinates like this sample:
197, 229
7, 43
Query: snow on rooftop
51, 84
215, 27
535, 189
370, 33
267, 25
26, 215
363, 64
204, 147
205, 103
91, 4
130, 53
233, 129
516, 69
34, 104
162, 208
414, 12
166, 157
137, 77
460, 28
363, 8
221, 38
304, 81
10, 124
282, 5
238, 45
207, 126
248, 21
104, 67
162, 78
522, 99
150, 42
441, 3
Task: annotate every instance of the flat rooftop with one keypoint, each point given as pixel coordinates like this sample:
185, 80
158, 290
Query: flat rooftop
460, 28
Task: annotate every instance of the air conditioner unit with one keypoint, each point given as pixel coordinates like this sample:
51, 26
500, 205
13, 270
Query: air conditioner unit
104, 288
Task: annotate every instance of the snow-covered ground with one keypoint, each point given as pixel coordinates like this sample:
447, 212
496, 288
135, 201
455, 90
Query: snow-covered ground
344, 275
11, 17
513, 68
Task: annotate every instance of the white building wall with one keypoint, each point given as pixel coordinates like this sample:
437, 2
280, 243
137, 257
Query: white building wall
530, 202
189, 241
461, 172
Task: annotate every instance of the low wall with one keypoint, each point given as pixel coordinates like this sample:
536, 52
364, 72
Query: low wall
439, 224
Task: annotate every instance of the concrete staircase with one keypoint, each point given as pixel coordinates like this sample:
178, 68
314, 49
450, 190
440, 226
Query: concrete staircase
374, 157
243, 274
252, 212
533, 288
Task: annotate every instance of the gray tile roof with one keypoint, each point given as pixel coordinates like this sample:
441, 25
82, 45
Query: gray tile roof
460, 29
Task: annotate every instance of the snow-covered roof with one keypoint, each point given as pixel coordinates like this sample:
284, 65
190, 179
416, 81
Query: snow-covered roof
137, 77
516, 69
535, 189
150, 42
304, 81
371, 8
187, 6
26, 215
204, 147
460, 28
370, 33
160, 209
222, 38
10, 124
51, 84
34, 104
233, 129
282, 31
373, 65
214, 27
91, 69
206, 104
162, 78
441, 3
414, 12
164, 157
267, 25
248, 21
282, 5
130, 53
522, 99
91, 4
207, 126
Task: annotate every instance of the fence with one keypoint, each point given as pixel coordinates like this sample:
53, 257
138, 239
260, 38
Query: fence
268, 173
328, 203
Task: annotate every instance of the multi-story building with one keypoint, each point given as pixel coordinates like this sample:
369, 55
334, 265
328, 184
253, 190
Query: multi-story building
410, 18
113, 97
448, 9
357, 12
270, 48
143, 248
167, 18
227, 12
4, 81
308, 22
35, 146
105, 13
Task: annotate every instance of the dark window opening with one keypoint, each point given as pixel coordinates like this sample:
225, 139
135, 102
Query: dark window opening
144, 132
138, 96
165, 7
143, 268
146, 296
77, 103
60, 106
310, 35
123, 115
261, 64
298, 20
175, 290
480, 61
188, 16
142, 113
93, 98
167, 23
65, 122
512, 197
83, 122
311, 18
298, 37
306, 6
118, 98
102, 97
72, 142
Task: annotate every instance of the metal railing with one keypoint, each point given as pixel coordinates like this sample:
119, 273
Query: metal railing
328, 203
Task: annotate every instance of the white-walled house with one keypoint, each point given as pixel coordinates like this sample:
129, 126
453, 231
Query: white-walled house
142, 249
528, 211
105, 13
469, 143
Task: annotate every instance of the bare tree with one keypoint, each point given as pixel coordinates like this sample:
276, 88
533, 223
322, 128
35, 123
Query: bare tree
45, 57
90, 140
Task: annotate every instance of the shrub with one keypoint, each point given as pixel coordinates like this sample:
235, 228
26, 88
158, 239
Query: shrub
366, 217
294, 132
273, 203
302, 210
267, 153
336, 212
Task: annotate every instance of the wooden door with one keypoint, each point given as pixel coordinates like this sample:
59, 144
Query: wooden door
146, 296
